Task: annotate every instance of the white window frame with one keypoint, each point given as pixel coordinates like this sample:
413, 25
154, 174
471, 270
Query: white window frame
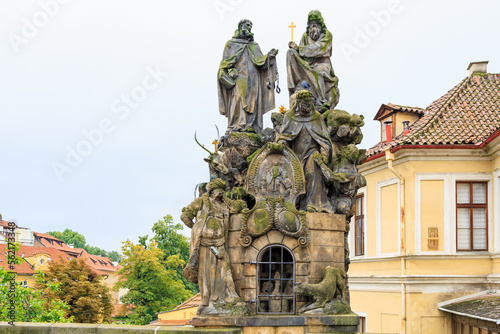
448, 207
450, 214
485, 177
397, 207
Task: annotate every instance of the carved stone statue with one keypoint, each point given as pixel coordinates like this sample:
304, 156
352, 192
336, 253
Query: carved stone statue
310, 61
305, 131
209, 262
243, 77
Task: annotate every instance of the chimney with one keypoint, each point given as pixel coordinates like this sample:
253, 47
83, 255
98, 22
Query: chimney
406, 127
477, 67
388, 131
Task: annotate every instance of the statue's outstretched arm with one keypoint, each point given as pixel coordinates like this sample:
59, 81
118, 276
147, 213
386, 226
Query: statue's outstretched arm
190, 211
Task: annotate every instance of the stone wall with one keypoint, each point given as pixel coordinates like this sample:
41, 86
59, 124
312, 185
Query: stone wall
50, 328
325, 249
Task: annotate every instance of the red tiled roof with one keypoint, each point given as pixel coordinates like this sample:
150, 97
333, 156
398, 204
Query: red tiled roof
102, 265
4, 223
390, 108
21, 269
194, 301
469, 114
46, 236
56, 243
29, 251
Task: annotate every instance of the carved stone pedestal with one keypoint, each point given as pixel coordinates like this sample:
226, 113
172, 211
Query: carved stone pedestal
281, 324
326, 248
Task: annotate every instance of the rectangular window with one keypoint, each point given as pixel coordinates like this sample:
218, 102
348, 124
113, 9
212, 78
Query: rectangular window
359, 232
472, 216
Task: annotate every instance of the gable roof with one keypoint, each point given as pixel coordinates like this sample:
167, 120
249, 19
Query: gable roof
466, 117
4, 223
102, 265
20, 269
194, 301
47, 240
53, 253
388, 109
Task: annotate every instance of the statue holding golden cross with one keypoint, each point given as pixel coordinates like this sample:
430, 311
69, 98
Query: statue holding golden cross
291, 26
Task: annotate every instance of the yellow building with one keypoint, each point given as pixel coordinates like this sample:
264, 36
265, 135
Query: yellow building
38, 249
181, 315
426, 228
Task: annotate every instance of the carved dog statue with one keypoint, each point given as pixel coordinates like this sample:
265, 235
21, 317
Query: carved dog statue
324, 292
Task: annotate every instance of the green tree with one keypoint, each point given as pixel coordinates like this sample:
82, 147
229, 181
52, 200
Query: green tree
88, 298
171, 242
114, 256
77, 240
95, 250
31, 305
153, 286
70, 237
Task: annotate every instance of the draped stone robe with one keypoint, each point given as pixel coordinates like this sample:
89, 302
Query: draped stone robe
245, 98
312, 64
307, 135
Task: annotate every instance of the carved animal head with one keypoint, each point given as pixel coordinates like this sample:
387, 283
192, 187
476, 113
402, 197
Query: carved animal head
216, 165
214, 161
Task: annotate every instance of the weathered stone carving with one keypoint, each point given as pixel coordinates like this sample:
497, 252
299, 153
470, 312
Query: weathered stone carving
266, 180
208, 264
305, 131
275, 179
323, 294
243, 77
236, 148
310, 61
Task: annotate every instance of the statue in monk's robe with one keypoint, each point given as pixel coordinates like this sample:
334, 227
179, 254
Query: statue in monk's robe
246, 81
304, 130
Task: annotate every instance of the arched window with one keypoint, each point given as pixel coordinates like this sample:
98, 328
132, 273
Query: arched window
275, 280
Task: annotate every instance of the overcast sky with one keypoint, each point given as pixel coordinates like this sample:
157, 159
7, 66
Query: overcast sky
99, 100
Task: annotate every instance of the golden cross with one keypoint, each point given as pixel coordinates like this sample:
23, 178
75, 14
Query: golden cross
291, 26
216, 142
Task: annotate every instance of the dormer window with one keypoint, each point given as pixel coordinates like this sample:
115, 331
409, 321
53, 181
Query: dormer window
400, 118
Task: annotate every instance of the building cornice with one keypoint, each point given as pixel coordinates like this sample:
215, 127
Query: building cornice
406, 154
458, 256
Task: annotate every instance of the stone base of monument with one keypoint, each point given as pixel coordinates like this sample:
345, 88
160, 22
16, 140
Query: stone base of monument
270, 311
326, 248
280, 324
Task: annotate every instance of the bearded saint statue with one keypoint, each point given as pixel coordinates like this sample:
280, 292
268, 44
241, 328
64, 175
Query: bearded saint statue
243, 77
310, 61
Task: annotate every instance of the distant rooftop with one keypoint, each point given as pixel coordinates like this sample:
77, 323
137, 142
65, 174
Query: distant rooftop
469, 114
484, 306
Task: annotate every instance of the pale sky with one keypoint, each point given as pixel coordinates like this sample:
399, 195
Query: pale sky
139, 78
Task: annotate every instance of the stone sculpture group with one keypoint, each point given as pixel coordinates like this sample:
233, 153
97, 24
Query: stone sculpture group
273, 177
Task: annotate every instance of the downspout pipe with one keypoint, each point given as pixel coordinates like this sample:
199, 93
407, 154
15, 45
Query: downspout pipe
389, 156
